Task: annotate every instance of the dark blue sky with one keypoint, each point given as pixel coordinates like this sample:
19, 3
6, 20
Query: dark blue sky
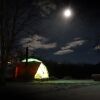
50, 36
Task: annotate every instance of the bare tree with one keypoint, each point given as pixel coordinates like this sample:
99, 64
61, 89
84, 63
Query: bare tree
7, 34
9, 27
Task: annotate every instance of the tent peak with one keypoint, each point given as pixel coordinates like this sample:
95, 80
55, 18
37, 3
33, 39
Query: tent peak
31, 60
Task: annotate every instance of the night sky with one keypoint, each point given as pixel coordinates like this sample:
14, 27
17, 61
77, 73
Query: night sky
49, 35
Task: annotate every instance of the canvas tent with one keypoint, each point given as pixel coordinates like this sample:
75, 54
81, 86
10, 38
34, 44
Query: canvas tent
34, 69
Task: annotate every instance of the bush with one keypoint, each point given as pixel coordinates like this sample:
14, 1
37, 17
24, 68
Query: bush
67, 78
53, 78
96, 77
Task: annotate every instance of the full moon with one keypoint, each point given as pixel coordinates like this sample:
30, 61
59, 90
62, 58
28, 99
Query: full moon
67, 13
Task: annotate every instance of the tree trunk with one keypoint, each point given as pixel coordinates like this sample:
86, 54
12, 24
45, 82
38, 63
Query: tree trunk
2, 43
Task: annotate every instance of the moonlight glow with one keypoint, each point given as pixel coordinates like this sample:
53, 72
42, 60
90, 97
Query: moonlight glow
67, 13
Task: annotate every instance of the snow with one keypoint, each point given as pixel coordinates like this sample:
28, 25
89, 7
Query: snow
53, 90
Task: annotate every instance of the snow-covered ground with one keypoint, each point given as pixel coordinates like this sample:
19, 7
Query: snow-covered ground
53, 90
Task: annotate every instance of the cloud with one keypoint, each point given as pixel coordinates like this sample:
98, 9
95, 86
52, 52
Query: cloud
46, 7
77, 38
36, 42
62, 52
97, 47
69, 48
74, 44
26, 40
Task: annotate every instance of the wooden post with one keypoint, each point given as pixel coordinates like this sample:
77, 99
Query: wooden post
26, 55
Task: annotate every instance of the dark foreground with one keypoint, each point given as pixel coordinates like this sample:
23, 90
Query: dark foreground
51, 90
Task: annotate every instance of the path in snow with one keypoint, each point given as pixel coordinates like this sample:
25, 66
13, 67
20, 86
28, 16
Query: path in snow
52, 90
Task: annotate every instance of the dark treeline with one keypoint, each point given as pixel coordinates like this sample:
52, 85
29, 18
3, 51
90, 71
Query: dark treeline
77, 71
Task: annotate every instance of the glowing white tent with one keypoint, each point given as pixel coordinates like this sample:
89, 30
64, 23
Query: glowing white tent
35, 67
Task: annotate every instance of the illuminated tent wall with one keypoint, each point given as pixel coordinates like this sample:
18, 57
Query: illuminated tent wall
34, 68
